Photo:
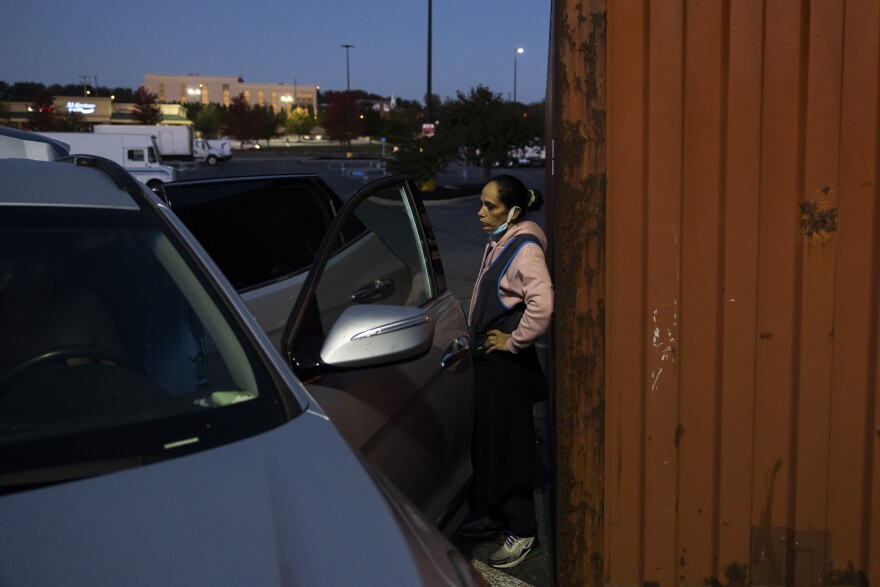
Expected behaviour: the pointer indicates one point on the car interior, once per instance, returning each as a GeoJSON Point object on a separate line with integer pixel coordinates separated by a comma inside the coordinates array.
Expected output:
{"type": "Point", "coordinates": [105, 323]}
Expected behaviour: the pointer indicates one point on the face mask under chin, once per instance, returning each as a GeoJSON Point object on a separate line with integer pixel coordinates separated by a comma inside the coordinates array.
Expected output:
{"type": "Point", "coordinates": [500, 230]}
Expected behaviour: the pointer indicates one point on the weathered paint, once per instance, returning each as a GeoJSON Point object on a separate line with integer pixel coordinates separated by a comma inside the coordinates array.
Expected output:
{"type": "Point", "coordinates": [717, 268]}
{"type": "Point", "coordinates": [579, 145]}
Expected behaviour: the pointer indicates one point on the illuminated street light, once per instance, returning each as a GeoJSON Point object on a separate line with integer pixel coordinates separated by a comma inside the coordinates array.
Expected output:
{"type": "Point", "coordinates": [515, 53]}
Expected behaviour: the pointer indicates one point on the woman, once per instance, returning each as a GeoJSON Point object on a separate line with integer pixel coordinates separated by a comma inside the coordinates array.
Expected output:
{"type": "Point", "coordinates": [511, 308]}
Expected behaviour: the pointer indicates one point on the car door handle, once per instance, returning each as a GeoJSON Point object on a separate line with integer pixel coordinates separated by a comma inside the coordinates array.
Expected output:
{"type": "Point", "coordinates": [373, 293]}
{"type": "Point", "coordinates": [460, 348]}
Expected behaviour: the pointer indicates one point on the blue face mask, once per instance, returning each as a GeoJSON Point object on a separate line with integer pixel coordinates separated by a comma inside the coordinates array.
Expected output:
{"type": "Point", "coordinates": [503, 227]}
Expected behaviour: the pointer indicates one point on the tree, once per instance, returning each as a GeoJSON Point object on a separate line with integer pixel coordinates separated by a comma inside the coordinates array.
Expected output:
{"type": "Point", "coordinates": [122, 94]}
{"type": "Point", "coordinates": [299, 122]}
{"type": "Point", "coordinates": [424, 158]}
{"type": "Point", "coordinates": [239, 120]}
{"type": "Point", "coordinates": [146, 109]}
{"type": "Point", "coordinates": [24, 91]}
{"type": "Point", "coordinates": [534, 119]}
{"type": "Point", "coordinates": [43, 115]}
{"type": "Point", "coordinates": [208, 120]}
{"type": "Point", "coordinates": [71, 122]}
{"type": "Point", "coordinates": [436, 106]}
{"type": "Point", "coordinates": [267, 122]}
{"type": "Point", "coordinates": [4, 115]}
{"type": "Point", "coordinates": [403, 122]}
{"type": "Point", "coordinates": [485, 126]}
{"type": "Point", "coordinates": [372, 121]}
{"type": "Point", "coordinates": [341, 119]}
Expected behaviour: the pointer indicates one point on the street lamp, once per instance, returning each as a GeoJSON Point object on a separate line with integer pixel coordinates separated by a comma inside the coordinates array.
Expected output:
{"type": "Point", "coordinates": [347, 97]}
{"type": "Point", "coordinates": [515, 53]}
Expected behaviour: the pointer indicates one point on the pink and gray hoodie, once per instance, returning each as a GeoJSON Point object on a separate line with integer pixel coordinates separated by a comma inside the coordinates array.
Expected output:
{"type": "Point", "coordinates": [526, 280]}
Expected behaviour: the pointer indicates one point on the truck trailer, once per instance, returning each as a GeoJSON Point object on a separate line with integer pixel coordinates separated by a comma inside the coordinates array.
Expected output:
{"type": "Point", "coordinates": [176, 142]}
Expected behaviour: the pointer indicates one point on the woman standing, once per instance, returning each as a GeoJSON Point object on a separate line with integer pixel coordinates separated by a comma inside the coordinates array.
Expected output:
{"type": "Point", "coordinates": [511, 308]}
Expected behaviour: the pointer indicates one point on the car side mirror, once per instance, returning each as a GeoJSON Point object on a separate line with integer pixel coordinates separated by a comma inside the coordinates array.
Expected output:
{"type": "Point", "coordinates": [376, 334]}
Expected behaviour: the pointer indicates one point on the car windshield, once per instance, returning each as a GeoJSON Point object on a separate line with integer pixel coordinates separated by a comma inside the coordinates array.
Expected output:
{"type": "Point", "coordinates": [113, 349]}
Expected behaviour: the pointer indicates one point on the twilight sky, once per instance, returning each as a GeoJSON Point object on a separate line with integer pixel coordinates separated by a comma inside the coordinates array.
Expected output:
{"type": "Point", "coordinates": [267, 41]}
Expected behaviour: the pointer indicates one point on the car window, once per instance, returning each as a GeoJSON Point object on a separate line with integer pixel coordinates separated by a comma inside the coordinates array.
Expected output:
{"type": "Point", "coordinates": [112, 341]}
{"type": "Point", "coordinates": [258, 231]}
{"type": "Point", "coordinates": [135, 155]}
{"type": "Point", "coordinates": [387, 264]}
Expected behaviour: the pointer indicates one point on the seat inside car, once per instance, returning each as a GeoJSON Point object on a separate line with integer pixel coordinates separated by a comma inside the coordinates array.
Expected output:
{"type": "Point", "coordinates": [155, 322]}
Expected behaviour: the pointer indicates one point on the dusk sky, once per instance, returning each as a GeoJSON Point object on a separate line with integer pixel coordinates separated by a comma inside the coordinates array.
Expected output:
{"type": "Point", "coordinates": [474, 43]}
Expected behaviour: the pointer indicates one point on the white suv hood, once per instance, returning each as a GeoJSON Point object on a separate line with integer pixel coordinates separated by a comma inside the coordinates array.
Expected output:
{"type": "Point", "coordinates": [288, 507]}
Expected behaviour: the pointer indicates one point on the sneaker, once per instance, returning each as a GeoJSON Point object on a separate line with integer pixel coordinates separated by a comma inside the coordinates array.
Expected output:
{"type": "Point", "coordinates": [484, 527]}
{"type": "Point", "coordinates": [515, 550]}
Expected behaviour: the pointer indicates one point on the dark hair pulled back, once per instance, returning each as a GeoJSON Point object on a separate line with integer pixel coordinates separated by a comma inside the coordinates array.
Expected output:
{"type": "Point", "coordinates": [512, 192]}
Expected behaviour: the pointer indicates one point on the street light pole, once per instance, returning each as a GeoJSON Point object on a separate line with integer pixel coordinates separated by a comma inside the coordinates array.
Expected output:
{"type": "Point", "coordinates": [515, 53]}
{"type": "Point", "coordinates": [347, 98]}
{"type": "Point", "coordinates": [428, 116]}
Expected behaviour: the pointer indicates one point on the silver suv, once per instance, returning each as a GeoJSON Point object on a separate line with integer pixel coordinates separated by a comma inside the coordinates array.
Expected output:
{"type": "Point", "coordinates": [149, 432]}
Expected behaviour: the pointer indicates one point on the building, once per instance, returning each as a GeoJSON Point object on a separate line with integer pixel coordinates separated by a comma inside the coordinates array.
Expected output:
{"type": "Point", "coordinates": [91, 110]}
{"type": "Point", "coordinates": [208, 89]}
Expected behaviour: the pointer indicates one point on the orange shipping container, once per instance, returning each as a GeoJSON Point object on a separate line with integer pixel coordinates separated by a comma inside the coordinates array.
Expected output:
{"type": "Point", "coordinates": [716, 224]}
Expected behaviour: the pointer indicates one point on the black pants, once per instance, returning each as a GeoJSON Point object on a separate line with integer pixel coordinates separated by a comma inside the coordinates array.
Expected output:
{"type": "Point", "coordinates": [516, 510]}
{"type": "Point", "coordinates": [503, 451]}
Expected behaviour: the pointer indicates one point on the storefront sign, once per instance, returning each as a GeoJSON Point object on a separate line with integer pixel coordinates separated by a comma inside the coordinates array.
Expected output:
{"type": "Point", "coordinates": [80, 107]}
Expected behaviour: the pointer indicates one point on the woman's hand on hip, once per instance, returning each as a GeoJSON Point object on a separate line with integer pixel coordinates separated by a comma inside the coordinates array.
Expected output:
{"type": "Point", "coordinates": [496, 341]}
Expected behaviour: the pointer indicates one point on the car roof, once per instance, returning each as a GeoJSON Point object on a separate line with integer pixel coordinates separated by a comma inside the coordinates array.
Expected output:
{"type": "Point", "coordinates": [37, 171]}
{"type": "Point", "coordinates": [27, 145]}
{"type": "Point", "coordinates": [54, 183]}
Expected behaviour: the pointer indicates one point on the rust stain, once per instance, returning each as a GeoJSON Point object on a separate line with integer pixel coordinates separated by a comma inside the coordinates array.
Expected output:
{"type": "Point", "coordinates": [679, 432]}
{"type": "Point", "coordinates": [817, 218]}
{"type": "Point", "coordinates": [767, 569]}
{"type": "Point", "coordinates": [579, 267]}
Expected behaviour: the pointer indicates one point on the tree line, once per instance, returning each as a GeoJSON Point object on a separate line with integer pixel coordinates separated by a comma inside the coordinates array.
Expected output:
{"type": "Point", "coordinates": [478, 126]}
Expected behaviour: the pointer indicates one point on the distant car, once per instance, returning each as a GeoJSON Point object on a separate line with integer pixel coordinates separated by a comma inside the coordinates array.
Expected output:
{"type": "Point", "coordinates": [149, 432]}
{"type": "Point", "coordinates": [533, 155]}
{"type": "Point", "coordinates": [301, 262]}
{"type": "Point", "coordinates": [238, 145]}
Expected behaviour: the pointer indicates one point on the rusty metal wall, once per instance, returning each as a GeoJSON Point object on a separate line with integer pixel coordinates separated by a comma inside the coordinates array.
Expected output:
{"type": "Point", "coordinates": [741, 284]}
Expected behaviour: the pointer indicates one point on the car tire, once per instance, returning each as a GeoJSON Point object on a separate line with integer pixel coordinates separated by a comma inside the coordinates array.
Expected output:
{"type": "Point", "coordinates": [211, 160]}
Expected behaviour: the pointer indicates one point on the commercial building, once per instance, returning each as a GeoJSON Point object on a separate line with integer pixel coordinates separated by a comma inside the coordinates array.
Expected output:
{"type": "Point", "coordinates": [208, 89]}
{"type": "Point", "coordinates": [91, 110]}
{"type": "Point", "coordinates": [173, 92]}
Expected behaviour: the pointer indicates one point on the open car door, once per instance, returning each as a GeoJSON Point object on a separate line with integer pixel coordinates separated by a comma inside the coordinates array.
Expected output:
{"type": "Point", "coordinates": [405, 404]}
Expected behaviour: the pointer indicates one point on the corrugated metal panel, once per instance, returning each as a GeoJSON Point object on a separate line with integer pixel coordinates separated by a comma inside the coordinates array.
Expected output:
{"type": "Point", "coordinates": [741, 287]}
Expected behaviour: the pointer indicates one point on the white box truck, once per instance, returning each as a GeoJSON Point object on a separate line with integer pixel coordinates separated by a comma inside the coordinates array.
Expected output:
{"type": "Point", "coordinates": [176, 142]}
{"type": "Point", "coordinates": [137, 153]}
{"type": "Point", "coordinates": [223, 145]}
